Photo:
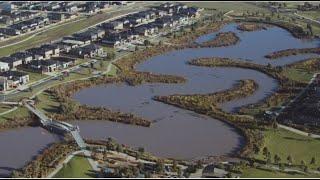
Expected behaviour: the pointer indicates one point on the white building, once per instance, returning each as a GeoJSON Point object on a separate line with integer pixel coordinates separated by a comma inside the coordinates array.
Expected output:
{"type": "Point", "coordinates": [4, 66]}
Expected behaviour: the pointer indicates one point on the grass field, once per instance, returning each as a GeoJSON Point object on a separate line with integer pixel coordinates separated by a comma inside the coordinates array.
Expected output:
{"type": "Point", "coordinates": [228, 6]}
{"type": "Point", "coordinates": [20, 112]}
{"type": "Point", "coordinates": [284, 143]}
{"type": "Point", "coordinates": [77, 167]}
{"type": "Point", "coordinates": [298, 74]}
{"type": "Point", "coordinates": [36, 76]}
{"type": "Point", "coordinates": [311, 14]}
{"type": "Point", "coordinates": [261, 173]}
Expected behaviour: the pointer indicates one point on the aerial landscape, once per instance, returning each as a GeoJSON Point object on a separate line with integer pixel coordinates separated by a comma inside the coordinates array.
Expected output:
{"type": "Point", "coordinates": [159, 89]}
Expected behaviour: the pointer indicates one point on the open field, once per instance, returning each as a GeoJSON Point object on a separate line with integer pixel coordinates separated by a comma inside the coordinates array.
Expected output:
{"type": "Point", "coordinates": [77, 167]}
{"type": "Point", "coordinates": [228, 6]}
{"type": "Point", "coordinates": [20, 112]}
{"type": "Point", "coordinates": [311, 14]}
{"type": "Point", "coordinates": [298, 74]}
{"type": "Point", "coordinates": [285, 143]}
{"type": "Point", "coordinates": [262, 173]}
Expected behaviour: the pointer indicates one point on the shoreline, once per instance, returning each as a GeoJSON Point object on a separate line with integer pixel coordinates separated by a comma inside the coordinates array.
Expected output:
{"type": "Point", "coordinates": [130, 69]}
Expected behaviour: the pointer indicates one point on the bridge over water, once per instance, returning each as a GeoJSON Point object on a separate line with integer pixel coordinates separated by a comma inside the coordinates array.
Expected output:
{"type": "Point", "coordinates": [53, 124]}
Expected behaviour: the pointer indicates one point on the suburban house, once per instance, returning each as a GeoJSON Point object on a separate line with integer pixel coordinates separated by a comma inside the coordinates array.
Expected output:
{"type": "Point", "coordinates": [64, 62]}
{"type": "Point", "coordinates": [90, 50]}
{"type": "Point", "coordinates": [113, 25]}
{"type": "Point", "coordinates": [3, 83]}
{"type": "Point", "coordinates": [43, 66]}
{"type": "Point", "coordinates": [56, 17]}
{"type": "Point", "coordinates": [163, 22]}
{"type": "Point", "coordinates": [51, 47]}
{"type": "Point", "coordinates": [13, 62]}
{"type": "Point", "coordinates": [26, 57]}
{"type": "Point", "coordinates": [44, 52]}
{"type": "Point", "coordinates": [93, 34]}
{"type": "Point", "coordinates": [146, 30]}
{"type": "Point", "coordinates": [4, 66]}
{"type": "Point", "coordinates": [112, 41]}
{"type": "Point", "coordinates": [82, 40]}
{"type": "Point", "coordinates": [15, 78]}
{"type": "Point", "coordinates": [10, 31]}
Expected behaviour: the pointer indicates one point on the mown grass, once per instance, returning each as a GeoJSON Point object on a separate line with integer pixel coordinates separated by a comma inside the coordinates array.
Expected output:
{"type": "Point", "coordinates": [228, 6]}
{"type": "Point", "coordinates": [298, 74]}
{"type": "Point", "coordinates": [264, 173]}
{"type": "Point", "coordinates": [285, 143]}
{"type": "Point", "coordinates": [77, 167]}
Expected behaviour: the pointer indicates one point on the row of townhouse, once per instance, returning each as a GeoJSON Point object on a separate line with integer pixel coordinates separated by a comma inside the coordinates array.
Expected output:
{"type": "Point", "coordinates": [35, 23]}
{"type": "Point", "coordinates": [29, 25]}
{"type": "Point", "coordinates": [12, 79]}
{"type": "Point", "coordinates": [125, 29]}
{"type": "Point", "coordinates": [69, 6]}
{"type": "Point", "coordinates": [17, 16]}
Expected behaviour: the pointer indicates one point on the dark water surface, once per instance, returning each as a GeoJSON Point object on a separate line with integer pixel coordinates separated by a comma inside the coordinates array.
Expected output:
{"type": "Point", "coordinates": [176, 132]}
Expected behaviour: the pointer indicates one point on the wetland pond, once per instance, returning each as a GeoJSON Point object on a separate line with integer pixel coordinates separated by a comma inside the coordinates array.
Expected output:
{"type": "Point", "coordinates": [175, 132]}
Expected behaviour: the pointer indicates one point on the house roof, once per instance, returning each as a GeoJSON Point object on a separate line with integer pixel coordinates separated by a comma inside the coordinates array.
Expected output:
{"type": "Point", "coordinates": [21, 55]}
{"type": "Point", "coordinates": [13, 73]}
{"type": "Point", "coordinates": [8, 59]}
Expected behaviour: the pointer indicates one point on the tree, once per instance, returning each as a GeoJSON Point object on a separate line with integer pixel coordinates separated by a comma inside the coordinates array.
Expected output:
{"type": "Point", "coordinates": [289, 159]}
{"type": "Point", "coordinates": [36, 100]}
{"type": "Point", "coordinates": [159, 166]}
{"type": "Point", "coordinates": [277, 159]}
{"type": "Point", "coordinates": [111, 55]}
{"type": "Point", "coordinates": [309, 27]}
{"type": "Point", "coordinates": [136, 48]}
{"type": "Point", "coordinates": [119, 148]}
{"type": "Point", "coordinates": [175, 165]}
{"type": "Point", "coordinates": [146, 42]}
{"type": "Point", "coordinates": [101, 64]}
{"type": "Point", "coordinates": [274, 123]}
{"type": "Point", "coordinates": [141, 149]}
{"type": "Point", "coordinates": [268, 158]}
{"type": "Point", "coordinates": [313, 160]}
{"type": "Point", "coordinates": [281, 166]}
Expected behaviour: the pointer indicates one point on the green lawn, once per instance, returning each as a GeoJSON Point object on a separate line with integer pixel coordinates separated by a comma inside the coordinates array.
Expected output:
{"type": "Point", "coordinates": [228, 6]}
{"type": "Point", "coordinates": [284, 143]}
{"type": "Point", "coordinates": [262, 173]}
{"type": "Point", "coordinates": [298, 74]}
{"type": "Point", "coordinates": [47, 102]}
{"type": "Point", "coordinates": [36, 76]}
{"type": "Point", "coordinates": [311, 14]}
{"type": "Point", "coordinates": [20, 112]}
{"type": "Point", "coordinates": [77, 167]}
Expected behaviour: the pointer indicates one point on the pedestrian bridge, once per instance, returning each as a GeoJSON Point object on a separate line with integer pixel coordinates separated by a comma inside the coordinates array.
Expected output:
{"type": "Point", "coordinates": [53, 124]}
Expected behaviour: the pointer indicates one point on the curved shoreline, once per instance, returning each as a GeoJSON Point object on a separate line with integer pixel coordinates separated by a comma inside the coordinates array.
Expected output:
{"type": "Point", "coordinates": [166, 49]}
{"type": "Point", "coordinates": [292, 52]}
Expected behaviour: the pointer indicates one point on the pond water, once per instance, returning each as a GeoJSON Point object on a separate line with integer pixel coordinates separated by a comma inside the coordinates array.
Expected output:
{"type": "Point", "coordinates": [175, 132]}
